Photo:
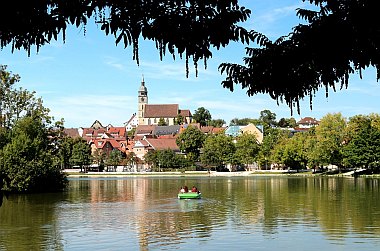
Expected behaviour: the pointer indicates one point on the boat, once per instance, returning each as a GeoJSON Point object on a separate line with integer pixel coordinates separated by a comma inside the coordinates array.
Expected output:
{"type": "Point", "coordinates": [189, 195]}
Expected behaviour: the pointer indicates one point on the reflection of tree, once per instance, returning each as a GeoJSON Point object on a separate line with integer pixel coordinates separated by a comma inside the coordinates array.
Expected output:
{"type": "Point", "coordinates": [148, 206]}
{"type": "Point", "coordinates": [30, 214]}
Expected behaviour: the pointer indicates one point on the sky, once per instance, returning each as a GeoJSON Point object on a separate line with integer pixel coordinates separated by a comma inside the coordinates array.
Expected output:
{"type": "Point", "coordinates": [89, 78]}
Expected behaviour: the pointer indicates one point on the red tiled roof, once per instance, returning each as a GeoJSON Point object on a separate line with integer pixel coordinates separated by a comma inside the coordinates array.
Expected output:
{"type": "Point", "coordinates": [161, 111]}
{"type": "Point", "coordinates": [162, 144]}
{"type": "Point", "coordinates": [308, 121]}
{"type": "Point", "coordinates": [100, 143]}
{"type": "Point", "coordinates": [120, 131]}
{"type": "Point", "coordinates": [71, 132]}
{"type": "Point", "coordinates": [143, 142]}
{"type": "Point", "coordinates": [185, 113]}
{"type": "Point", "coordinates": [144, 129]}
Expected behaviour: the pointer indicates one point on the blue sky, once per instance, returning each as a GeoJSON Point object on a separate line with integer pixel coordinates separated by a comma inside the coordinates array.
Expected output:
{"type": "Point", "coordinates": [88, 78]}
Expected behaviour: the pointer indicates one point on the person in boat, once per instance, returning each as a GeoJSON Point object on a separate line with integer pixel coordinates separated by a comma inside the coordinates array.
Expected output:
{"type": "Point", "coordinates": [186, 189]}
{"type": "Point", "coordinates": [194, 190]}
{"type": "Point", "coordinates": [182, 190]}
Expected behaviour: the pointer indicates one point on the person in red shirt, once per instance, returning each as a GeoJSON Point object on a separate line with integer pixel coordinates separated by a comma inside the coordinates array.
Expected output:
{"type": "Point", "coordinates": [194, 189]}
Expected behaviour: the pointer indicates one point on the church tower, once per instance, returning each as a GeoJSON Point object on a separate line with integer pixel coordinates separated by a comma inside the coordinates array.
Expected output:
{"type": "Point", "coordinates": [142, 101]}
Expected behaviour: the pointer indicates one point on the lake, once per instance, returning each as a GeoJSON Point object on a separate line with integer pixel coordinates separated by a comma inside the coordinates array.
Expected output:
{"type": "Point", "coordinates": [247, 213]}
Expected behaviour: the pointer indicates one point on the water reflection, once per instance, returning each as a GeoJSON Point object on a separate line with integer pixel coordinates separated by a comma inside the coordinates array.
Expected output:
{"type": "Point", "coordinates": [238, 212]}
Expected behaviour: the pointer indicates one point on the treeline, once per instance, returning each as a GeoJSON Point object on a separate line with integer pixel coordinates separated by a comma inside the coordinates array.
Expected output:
{"type": "Point", "coordinates": [344, 143]}
{"type": "Point", "coordinates": [338, 141]}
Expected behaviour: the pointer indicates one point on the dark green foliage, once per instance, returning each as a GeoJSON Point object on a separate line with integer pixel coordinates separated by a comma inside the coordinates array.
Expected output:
{"type": "Point", "coordinates": [247, 148]}
{"type": "Point", "coordinates": [243, 121]}
{"type": "Point", "coordinates": [81, 154]}
{"type": "Point", "coordinates": [114, 158]}
{"type": "Point", "coordinates": [287, 123]}
{"type": "Point", "coordinates": [188, 28]}
{"type": "Point", "coordinates": [362, 148]}
{"type": "Point", "coordinates": [191, 141]}
{"type": "Point", "coordinates": [217, 122]}
{"type": "Point", "coordinates": [339, 38]}
{"type": "Point", "coordinates": [165, 159]}
{"type": "Point", "coordinates": [202, 116]}
{"type": "Point", "coordinates": [162, 122]}
{"type": "Point", "coordinates": [179, 120]}
{"type": "Point", "coordinates": [27, 162]}
{"type": "Point", "coordinates": [218, 150]}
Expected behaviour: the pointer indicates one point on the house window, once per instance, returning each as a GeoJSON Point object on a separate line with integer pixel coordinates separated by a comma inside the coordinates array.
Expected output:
{"type": "Point", "coordinates": [155, 120]}
{"type": "Point", "coordinates": [149, 122]}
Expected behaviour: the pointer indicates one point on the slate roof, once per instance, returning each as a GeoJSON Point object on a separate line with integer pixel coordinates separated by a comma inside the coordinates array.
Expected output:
{"type": "Point", "coordinates": [161, 111]}
{"type": "Point", "coordinates": [166, 130]}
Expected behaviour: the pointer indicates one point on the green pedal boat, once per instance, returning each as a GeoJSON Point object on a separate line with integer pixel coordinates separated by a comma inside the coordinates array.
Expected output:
{"type": "Point", "coordinates": [189, 195]}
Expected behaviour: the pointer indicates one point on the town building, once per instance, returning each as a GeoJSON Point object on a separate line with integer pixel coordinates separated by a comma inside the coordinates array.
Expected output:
{"type": "Point", "coordinates": [307, 122]}
{"type": "Point", "coordinates": [152, 114]}
{"type": "Point", "coordinates": [235, 131]}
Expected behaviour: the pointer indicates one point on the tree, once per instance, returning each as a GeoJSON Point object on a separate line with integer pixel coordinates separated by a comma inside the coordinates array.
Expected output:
{"type": "Point", "coordinates": [168, 159]}
{"type": "Point", "coordinates": [295, 152]}
{"type": "Point", "coordinates": [338, 38]}
{"type": "Point", "coordinates": [99, 158]}
{"type": "Point", "coordinates": [162, 122]}
{"type": "Point", "coordinates": [16, 103]}
{"type": "Point", "coordinates": [202, 116]}
{"type": "Point", "coordinates": [217, 122]}
{"type": "Point", "coordinates": [151, 158]}
{"type": "Point", "coordinates": [184, 27]}
{"type": "Point", "coordinates": [179, 119]}
{"type": "Point", "coordinates": [268, 118]}
{"type": "Point", "coordinates": [271, 138]}
{"type": "Point", "coordinates": [131, 159]}
{"type": "Point", "coordinates": [241, 122]}
{"type": "Point", "coordinates": [81, 154]}
{"type": "Point", "coordinates": [131, 133]}
{"type": "Point", "coordinates": [29, 141]}
{"type": "Point", "coordinates": [247, 148]}
{"type": "Point", "coordinates": [363, 143]}
{"type": "Point", "coordinates": [27, 162]}
{"type": "Point", "coordinates": [64, 152]}
{"type": "Point", "coordinates": [7, 80]}
{"type": "Point", "coordinates": [114, 159]}
{"type": "Point", "coordinates": [330, 137]}
{"type": "Point", "coordinates": [287, 123]}
{"type": "Point", "coordinates": [218, 150]}
{"type": "Point", "coordinates": [191, 141]}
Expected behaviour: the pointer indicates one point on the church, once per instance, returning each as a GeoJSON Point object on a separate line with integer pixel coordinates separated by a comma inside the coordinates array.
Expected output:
{"type": "Point", "coordinates": [151, 114]}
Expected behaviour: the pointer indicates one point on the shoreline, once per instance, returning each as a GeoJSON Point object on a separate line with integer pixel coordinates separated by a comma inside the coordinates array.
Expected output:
{"type": "Point", "coordinates": [76, 174]}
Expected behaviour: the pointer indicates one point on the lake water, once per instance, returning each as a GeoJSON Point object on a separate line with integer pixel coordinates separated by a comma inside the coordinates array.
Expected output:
{"type": "Point", "coordinates": [247, 213]}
